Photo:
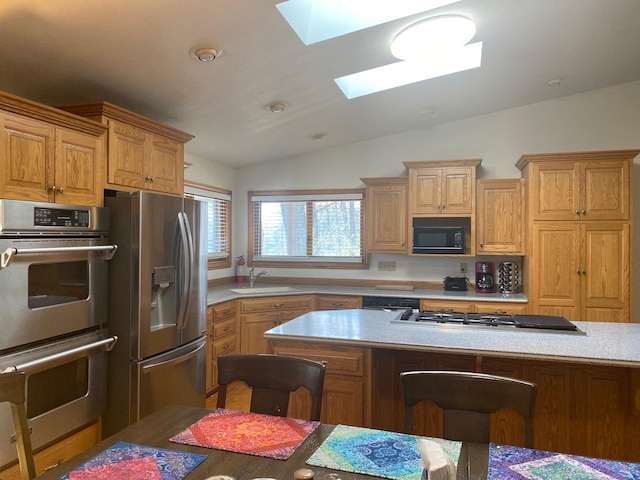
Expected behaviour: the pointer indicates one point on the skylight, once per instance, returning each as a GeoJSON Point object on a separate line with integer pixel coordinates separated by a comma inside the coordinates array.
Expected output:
{"type": "Point", "coordinates": [428, 49]}
{"type": "Point", "coordinates": [318, 20]}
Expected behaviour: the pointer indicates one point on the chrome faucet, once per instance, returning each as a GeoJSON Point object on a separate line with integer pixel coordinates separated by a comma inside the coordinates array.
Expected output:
{"type": "Point", "coordinates": [252, 277]}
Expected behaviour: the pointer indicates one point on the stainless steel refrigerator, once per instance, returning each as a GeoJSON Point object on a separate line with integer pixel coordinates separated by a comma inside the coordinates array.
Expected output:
{"type": "Point", "coordinates": [157, 305]}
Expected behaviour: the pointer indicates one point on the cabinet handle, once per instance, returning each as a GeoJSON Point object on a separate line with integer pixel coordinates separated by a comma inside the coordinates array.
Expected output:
{"type": "Point", "coordinates": [52, 188]}
{"type": "Point", "coordinates": [60, 190]}
{"type": "Point", "coordinates": [584, 212]}
{"type": "Point", "coordinates": [277, 305]}
{"type": "Point", "coordinates": [481, 244]}
{"type": "Point", "coordinates": [226, 329]}
{"type": "Point", "coordinates": [578, 212]}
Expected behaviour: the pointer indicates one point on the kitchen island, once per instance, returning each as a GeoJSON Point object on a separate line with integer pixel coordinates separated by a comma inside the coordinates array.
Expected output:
{"type": "Point", "coordinates": [589, 382]}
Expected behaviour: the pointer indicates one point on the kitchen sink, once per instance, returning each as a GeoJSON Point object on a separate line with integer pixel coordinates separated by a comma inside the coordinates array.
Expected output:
{"type": "Point", "coordinates": [257, 290]}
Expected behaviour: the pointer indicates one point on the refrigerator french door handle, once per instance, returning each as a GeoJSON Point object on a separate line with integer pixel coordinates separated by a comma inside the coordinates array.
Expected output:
{"type": "Point", "coordinates": [187, 252]}
{"type": "Point", "coordinates": [181, 355]}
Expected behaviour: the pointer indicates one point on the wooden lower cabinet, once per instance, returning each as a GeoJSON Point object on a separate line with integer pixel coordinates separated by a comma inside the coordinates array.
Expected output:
{"type": "Point", "coordinates": [588, 410]}
{"type": "Point", "coordinates": [221, 338]}
{"type": "Point", "coordinates": [504, 308]}
{"type": "Point", "coordinates": [257, 315]}
{"type": "Point", "coordinates": [337, 302]}
{"type": "Point", "coordinates": [60, 451]}
{"type": "Point", "coordinates": [346, 399]}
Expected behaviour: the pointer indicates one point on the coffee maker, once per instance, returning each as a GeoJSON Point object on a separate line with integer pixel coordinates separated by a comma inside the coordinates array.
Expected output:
{"type": "Point", "coordinates": [485, 277]}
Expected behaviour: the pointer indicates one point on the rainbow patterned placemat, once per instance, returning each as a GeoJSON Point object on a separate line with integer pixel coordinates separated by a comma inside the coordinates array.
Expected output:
{"type": "Point", "coordinates": [245, 432]}
{"type": "Point", "coordinates": [515, 463]}
{"type": "Point", "coordinates": [376, 452]}
{"type": "Point", "coordinates": [130, 461]}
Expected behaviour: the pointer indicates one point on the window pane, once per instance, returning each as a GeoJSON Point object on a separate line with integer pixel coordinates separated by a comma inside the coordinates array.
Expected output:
{"type": "Point", "coordinates": [320, 228]}
{"type": "Point", "coordinates": [336, 228]}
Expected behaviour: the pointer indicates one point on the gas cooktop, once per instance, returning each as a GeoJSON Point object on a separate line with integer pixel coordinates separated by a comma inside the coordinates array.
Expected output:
{"type": "Point", "coordinates": [489, 320]}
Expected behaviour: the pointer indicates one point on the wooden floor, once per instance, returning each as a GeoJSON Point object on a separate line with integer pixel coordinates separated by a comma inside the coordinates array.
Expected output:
{"type": "Point", "coordinates": [238, 397]}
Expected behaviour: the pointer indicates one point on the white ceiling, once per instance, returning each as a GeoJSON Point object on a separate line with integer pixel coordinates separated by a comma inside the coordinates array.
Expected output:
{"type": "Point", "coordinates": [138, 54]}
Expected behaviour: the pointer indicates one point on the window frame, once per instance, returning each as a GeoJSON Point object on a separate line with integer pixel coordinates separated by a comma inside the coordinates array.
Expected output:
{"type": "Point", "coordinates": [192, 189]}
{"type": "Point", "coordinates": [301, 194]}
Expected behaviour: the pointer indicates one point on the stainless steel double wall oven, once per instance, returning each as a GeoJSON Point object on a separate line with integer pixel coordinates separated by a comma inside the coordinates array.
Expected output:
{"type": "Point", "coordinates": [53, 316]}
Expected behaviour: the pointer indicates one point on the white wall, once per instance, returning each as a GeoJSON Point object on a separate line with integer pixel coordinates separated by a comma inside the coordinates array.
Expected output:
{"type": "Point", "coordinates": [603, 119]}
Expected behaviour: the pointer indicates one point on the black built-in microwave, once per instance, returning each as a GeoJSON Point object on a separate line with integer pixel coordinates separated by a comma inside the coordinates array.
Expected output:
{"type": "Point", "coordinates": [438, 240]}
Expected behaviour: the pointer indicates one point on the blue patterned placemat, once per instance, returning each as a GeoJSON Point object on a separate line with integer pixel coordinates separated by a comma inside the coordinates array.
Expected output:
{"type": "Point", "coordinates": [376, 452]}
{"type": "Point", "coordinates": [128, 460]}
{"type": "Point", "coordinates": [515, 463]}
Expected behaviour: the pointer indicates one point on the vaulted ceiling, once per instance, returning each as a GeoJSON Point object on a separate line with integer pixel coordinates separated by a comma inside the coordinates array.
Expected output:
{"type": "Point", "coordinates": [138, 54]}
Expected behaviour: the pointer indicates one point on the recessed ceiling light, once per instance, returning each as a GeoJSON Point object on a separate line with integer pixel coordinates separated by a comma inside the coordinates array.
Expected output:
{"type": "Point", "coordinates": [277, 107]}
{"type": "Point", "coordinates": [554, 82]}
{"type": "Point", "coordinates": [428, 111]}
{"type": "Point", "coordinates": [207, 54]}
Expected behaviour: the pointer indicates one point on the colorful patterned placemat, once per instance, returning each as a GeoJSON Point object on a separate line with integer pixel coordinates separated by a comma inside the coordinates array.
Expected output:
{"type": "Point", "coordinates": [515, 463]}
{"type": "Point", "coordinates": [245, 432]}
{"type": "Point", "coordinates": [376, 452]}
{"type": "Point", "coordinates": [130, 461]}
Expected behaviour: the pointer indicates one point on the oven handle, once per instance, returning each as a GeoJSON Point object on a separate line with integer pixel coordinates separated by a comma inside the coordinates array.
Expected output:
{"type": "Point", "coordinates": [108, 252]}
{"type": "Point", "coordinates": [109, 342]}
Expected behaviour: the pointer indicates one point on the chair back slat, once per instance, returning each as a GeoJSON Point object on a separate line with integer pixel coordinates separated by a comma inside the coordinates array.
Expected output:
{"type": "Point", "coordinates": [467, 400]}
{"type": "Point", "coordinates": [272, 378]}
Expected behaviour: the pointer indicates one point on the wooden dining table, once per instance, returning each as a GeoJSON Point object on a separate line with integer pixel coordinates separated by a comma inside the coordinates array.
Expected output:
{"type": "Point", "coordinates": [156, 429]}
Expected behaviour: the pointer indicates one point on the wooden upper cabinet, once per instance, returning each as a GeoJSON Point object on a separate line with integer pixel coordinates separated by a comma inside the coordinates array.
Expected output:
{"type": "Point", "coordinates": [579, 186]}
{"type": "Point", "coordinates": [49, 155]}
{"type": "Point", "coordinates": [581, 270]}
{"type": "Point", "coordinates": [500, 217]}
{"type": "Point", "coordinates": [142, 153]}
{"type": "Point", "coordinates": [442, 187]}
{"type": "Point", "coordinates": [386, 214]}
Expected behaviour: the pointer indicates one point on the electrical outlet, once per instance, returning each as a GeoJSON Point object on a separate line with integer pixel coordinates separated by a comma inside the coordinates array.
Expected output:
{"type": "Point", "coordinates": [386, 266]}
{"type": "Point", "coordinates": [463, 267]}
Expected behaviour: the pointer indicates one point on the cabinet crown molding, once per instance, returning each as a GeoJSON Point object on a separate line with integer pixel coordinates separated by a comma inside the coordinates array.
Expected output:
{"type": "Point", "coordinates": [470, 162]}
{"type": "Point", "coordinates": [576, 156]}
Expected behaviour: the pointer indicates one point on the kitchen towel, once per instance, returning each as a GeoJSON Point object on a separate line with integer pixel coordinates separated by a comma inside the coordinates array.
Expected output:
{"type": "Point", "coordinates": [128, 461]}
{"type": "Point", "coordinates": [246, 432]}
{"type": "Point", "coordinates": [515, 463]}
{"type": "Point", "coordinates": [376, 452]}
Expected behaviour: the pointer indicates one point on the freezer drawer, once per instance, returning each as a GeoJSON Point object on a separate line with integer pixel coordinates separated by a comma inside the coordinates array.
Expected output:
{"type": "Point", "coordinates": [176, 377]}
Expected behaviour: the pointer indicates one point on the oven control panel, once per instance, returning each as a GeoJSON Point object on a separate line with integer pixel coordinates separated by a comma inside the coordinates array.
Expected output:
{"type": "Point", "coordinates": [59, 217]}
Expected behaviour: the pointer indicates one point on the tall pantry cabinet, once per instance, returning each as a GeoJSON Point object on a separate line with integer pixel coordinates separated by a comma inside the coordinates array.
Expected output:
{"type": "Point", "coordinates": [579, 239]}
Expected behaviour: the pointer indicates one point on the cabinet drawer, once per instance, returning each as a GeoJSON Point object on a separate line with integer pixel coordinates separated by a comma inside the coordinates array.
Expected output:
{"type": "Point", "coordinates": [277, 303]}
{"type": "Point", "coordinates": [223, 311]}
{"type": "Point", "coordinates": [339, 360]}
{"type": "Point", "coordinates": [225, 346]}
{"type": "Point", "coordinates": [337, 302]}
{"type": "Point", "coordinates": [222, 329]}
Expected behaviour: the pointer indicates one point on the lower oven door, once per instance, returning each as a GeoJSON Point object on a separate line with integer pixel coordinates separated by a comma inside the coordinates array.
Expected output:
{"type": "Point", "coordinates": [51, 287]}
{"type": "Point", "coordinates": [66, 388]}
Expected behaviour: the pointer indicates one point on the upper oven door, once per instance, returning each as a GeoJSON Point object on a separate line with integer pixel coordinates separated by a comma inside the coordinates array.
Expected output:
{"type": "Point", "coordinates": [51, 287]}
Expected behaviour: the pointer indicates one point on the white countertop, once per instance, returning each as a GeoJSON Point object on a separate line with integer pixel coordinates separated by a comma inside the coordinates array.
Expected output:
{"type": "Point", "coordinates": [604, 343]}
{"type": "Point", "coordinates": [223, 293]}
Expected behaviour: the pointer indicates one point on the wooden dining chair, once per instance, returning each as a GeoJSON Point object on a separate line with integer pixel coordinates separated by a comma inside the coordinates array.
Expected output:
{"type": "Point", "coordinates": [467, 400]}
{"type": "Point", "coordinates": [272, 378]}
{"type": "Point", "coordinates": [12, 390]}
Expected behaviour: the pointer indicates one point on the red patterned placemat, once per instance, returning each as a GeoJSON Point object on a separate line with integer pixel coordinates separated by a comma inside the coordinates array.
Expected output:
{"type": "Point", "coordinates": [245, 432]}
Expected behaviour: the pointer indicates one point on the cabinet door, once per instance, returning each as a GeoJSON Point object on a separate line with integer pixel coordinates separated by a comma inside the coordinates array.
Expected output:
{"type": "Point", "coordinates": [252, 339]}
{"type": "Point", "coordinates": [424, 188]}
{"type": "Point", "coordinates": [386, 218]}
{"type": "Point", "coordinates": [126, 155]}
{"type": "Point", "coordinates": [554, 191]}
{"type": "Point", "coordinates": [78, 168]}
{"type": "Point", "coordinates": [605, 190]}
{"type": "Point", "coordinates": [457, 187]}
{"type": "Point", "coordinates": [605, 272]}
{"type": "Point", "coordinates": [164, 169]}
{"type": "Point", "coordinates": [27, 148]}
{"type": "Point", "coordinates": [555, 267]}
{"type": "Point", "coordinates": [500, 217]}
